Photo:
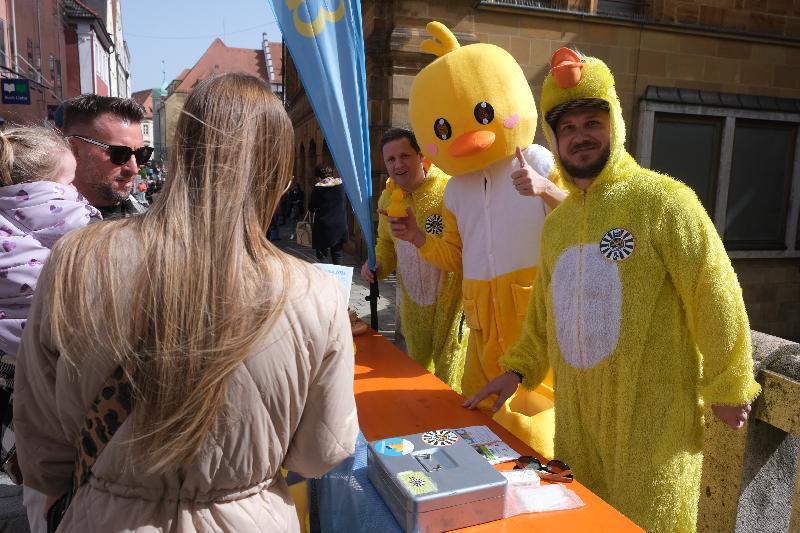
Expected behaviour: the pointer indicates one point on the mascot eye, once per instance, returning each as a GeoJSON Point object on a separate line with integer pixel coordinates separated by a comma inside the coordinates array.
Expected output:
{"type": "Point", "coordinates": [442, 129]}
{"type": "Point", "coordinates": [484, 113]}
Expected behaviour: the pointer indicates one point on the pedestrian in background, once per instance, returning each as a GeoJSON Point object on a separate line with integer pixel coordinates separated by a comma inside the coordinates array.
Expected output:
{"type": "Point", "coordinates": [238, 359]}
{"type": "Point", "coordinates": [329, 231]}
{"type": "Point", "coordinates": [295, 200]}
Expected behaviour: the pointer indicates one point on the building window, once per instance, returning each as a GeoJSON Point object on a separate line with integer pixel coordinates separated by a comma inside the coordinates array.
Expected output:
{"type": "Point", "coordinates": [145, 129]}
{"type": "Point", "coordinates": [101, 63]}
{"type": "Point", "coordinates": [623, 8]}
{"type": "Point", "coordinates": [760, 182]}
{"type": "Point", "coordinates": [697, 139]}
{"type": "Point", "coordinates": [742, 162]}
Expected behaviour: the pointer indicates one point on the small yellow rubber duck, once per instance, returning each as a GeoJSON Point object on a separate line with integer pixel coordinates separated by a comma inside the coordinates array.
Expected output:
{"type": "Point", "coordinates": [396, 207]}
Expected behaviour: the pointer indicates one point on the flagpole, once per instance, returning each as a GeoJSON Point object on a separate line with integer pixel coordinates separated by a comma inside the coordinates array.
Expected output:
{"type": "Point", "coordinates": [374, 293]}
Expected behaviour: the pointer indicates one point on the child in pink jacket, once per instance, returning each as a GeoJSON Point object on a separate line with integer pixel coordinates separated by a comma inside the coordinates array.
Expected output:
{"type": "Point", "coordinates": [37, 206]}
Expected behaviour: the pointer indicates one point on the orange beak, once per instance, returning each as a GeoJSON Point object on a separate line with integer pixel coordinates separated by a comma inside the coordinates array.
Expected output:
{"type": "Point", "coordinates": [566, 67]}
{"type": "Point", "coordinates": [471, 143]}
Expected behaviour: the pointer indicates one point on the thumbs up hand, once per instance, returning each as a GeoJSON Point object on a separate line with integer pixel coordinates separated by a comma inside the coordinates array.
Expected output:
{"type": "Point", "coordinates": [527, 181]}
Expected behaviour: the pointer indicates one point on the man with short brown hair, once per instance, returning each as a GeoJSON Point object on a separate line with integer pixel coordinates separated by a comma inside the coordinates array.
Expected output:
{"type": "Point", "coordinates": [106, 138]}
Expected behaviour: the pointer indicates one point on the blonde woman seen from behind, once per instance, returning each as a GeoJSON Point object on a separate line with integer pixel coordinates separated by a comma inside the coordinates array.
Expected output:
{"type": "Point", "coordinates": [240, 357]}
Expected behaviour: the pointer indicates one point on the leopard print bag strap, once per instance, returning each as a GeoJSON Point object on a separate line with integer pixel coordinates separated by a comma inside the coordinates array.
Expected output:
{"type": "Point", "coordinates": [109, 410]}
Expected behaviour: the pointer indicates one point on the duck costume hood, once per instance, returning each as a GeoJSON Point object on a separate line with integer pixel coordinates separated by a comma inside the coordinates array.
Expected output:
{"type": "Point", "coordinates": [580, 81]}
{"type": "Point", "coordinates": [467, 121]}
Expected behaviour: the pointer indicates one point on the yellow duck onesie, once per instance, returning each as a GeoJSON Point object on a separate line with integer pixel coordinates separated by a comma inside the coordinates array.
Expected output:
{"type": "Point", "coordinates": [435, 333]}
{"type": "Point", "coordinates": [471, 108]}
{"type": "Point", "coordinates": [639, 313]}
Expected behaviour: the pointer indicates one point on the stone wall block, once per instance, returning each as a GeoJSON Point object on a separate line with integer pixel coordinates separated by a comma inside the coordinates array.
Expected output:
{"type": "Point", "coordinates": [712, 16]}
{"type": "Point", "coordinates": [685, 67]}
{"type": "Point", "coordinates": [721, 70]}
{"type": "Point", "coordinates": [756, 5]}
{"type": "Point", "coordinates": [757, 74]}
{"type": "Point", "coordinates": [793, 56]}
{"type": "Point", "coordinates": [413, 8]}
{"type": "Point", "coordinates": [696, 44]}
{"type": "Point", "coordinates": [763, 23]}
{"type": "Point", "coordinates": [792, 26]}
{"type": "Point", "coordinates": [787, 77]}
{"type": "Point", "coordinates": [768, 54]}
{"type": "Point", "coordinates": [540, 52]}
{"type": "Point", "coordinates": [499, 23]}
{"type": "Point", "coordinates": [736, 19]}
{"type": "Point", "coordinates": [542, 29]}
{"type": "Point", "coordinates": [520, 48]}
{"type": "Point", "coordinates": [653, 63]}
{"type": "Point", "coordinates": [501, 40]}
{"type": "Point", "coordinates": [656, 40]}
{"type": "Point", "coordinates": [687, 13]}
{"type": "Point", "coordinates": [780, 7]}
{"type": "Point", "coordinates": [734, 50]}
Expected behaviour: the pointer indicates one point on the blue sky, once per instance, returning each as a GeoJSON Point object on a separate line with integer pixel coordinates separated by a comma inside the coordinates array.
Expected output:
{"type": "Point", "coordinates": [179, 31]}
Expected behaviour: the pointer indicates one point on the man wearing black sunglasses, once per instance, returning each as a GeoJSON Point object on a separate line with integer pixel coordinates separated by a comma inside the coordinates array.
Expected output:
{"type": "Point", "coordinates": [106, 139]}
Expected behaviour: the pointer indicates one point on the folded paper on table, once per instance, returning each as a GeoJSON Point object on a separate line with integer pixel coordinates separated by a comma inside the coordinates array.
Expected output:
{"type": "Point", "coordinates": [343, 274]}
{"type": "Point", "coordinates": [487, 443]}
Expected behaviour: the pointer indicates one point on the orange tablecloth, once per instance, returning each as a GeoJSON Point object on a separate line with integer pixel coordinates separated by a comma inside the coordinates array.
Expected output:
{"type": "Point", "coordinates": [395, 396]}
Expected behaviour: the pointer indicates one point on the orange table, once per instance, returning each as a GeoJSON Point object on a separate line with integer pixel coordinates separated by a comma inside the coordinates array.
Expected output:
{"type": "Point", "coordinates": [395, 396]}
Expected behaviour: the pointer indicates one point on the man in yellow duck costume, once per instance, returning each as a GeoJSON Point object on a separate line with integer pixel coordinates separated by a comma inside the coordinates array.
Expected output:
{"type": "Point", "coordinates": [474, 114]}
{"type": "Point", "coordinates": [430, 306]}
{"type": "Point", "coordinates": [637, 310]}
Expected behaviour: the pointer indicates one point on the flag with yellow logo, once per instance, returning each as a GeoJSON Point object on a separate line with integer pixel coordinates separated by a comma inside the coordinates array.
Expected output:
{"type": "Point", "coordinates": [326, 44]}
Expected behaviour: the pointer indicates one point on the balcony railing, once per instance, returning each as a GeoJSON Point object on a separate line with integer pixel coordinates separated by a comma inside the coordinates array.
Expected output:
{"type": "Point", "coordinates": [749, 478]}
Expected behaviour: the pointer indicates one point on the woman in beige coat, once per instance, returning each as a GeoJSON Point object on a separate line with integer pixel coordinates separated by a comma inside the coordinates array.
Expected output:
{"type": "Point", "coordinates": [240, 357]}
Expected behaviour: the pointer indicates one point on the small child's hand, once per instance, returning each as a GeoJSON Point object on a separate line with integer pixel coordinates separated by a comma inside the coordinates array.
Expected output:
{"type": "Point", "coordinates": [733, 415]}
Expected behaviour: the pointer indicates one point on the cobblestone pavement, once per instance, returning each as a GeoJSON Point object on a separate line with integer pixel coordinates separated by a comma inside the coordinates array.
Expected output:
{"type": "Point", "coordinates": [12, 513]}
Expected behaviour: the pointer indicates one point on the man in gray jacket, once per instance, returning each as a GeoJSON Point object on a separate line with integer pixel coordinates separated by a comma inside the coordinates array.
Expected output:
{"type": "Point", "coordinates": [106, 138]}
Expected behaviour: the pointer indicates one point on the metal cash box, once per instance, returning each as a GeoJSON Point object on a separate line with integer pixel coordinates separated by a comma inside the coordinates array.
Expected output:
{"type": "Point", "coordinates": [435, 481]}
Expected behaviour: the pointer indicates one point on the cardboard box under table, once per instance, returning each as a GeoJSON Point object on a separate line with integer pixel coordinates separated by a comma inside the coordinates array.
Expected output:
{"type": "Point", "coordinates": [435, 481]}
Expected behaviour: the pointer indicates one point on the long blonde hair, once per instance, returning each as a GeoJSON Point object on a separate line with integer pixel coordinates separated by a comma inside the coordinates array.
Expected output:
{"type": "Point", "coordinates": [29, 153]}
{"type": "Point", "coordinates": [209, 283]}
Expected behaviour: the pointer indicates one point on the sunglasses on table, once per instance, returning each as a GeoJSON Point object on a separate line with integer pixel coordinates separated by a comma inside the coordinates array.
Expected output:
{"type": "Point", "coordinates": [554, 470]}
{"type": "Point", "coordinates": [120, 155]}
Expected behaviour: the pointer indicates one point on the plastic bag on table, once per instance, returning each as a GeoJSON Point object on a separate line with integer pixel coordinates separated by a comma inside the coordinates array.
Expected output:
{"type": "Point", "coordinates": [347, 501]}
{"type": "Point", "coordinates": [527, 494]}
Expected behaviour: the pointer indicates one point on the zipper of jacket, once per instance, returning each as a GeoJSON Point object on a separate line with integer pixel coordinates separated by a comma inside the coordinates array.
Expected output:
{"type": "Point", "coordinates": [580, 307]}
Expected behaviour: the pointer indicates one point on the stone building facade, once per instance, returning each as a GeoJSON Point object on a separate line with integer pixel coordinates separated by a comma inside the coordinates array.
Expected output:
{"type": "Point", "coordinates": [710, 92]}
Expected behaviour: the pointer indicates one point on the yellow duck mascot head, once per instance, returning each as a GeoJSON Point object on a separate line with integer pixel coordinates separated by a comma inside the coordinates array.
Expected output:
{"type": "Point", "coordinates": [471, 108]}
{"type": "Point", "coordinates": [466, 122]}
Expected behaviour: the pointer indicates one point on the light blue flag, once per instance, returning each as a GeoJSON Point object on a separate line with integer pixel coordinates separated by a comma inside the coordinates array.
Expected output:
{"type": "Point", "coordinates": [326, 43]}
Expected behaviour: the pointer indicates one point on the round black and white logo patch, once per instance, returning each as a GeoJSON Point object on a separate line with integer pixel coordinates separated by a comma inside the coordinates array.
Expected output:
{"type": "Point", "coordinates": [439, 437]}
{"type": "Point", "coordinates": [434, 224]}
{"type": "Point", "coordinates": [617, 245]}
